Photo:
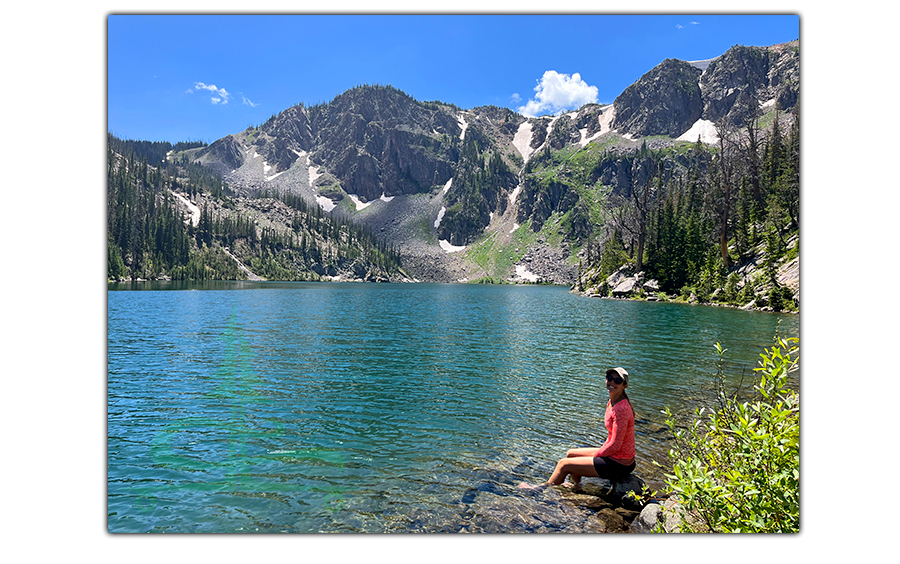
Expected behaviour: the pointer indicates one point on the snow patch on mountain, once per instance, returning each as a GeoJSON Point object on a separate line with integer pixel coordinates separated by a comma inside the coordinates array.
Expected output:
{"type": "Point", "coordinates": [463, 125]}
{"type": "Point", "coordinates": [445, 244]}
{"type": "Point", "coordinates": [702, 65]}
{"type": "Point", "coordinates": [702, 128]}
{"type": "Point", "coordinates": [327, 204]}
{"type": "Point", "coordinates": [313, 175]}
{"type": "Point", "coordinates": [522, 140]}
{"type": "Point", "coordinates": [192, 208]}
{"type": "Point", "coordinates": [359, 203]}
{"type": "Point", "coordinates": [515, 194]}
{"type": "Point", "coordinates": [605, 119]}
{"type": "Point", "coordinates": [523, 273]}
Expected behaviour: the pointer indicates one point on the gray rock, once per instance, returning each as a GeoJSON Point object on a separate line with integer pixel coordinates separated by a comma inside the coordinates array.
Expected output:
{"type": "Point", "coordinates": [666, 100]}
{"type": "Point", "coordinates": [223, 155]}
{"type": "Point", "coordinates": [621, 490]}
{"type": "Point", "coordinates": [616, 278]}
{"type": "Point", "coordinates": [743, 72]}
{"type": "Point", "coordinates": [789, 275]}
{"type": "Point", "coordinates": [625, 287]}
{"type": "Point", "coordinates": [670, 514]}
{"type": "Point", "coordinates": [648, 519]}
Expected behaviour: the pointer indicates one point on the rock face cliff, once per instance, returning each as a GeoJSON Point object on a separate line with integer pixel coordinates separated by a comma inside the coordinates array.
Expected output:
{"type": "Point", "coordinates": [745, 75]}
{"type": "Point", "coordinates": [376, 141]}
{"type": "Point", "coordinates": [671, 97]}
{"type": "Point", "coordinates": [290, 133]}
{"type": "Point", "coordinates": [223, 156]}
{"type": "Point", "coordinates": [665, 101]}
{"type": "Point", "coordinates": [379, 141]}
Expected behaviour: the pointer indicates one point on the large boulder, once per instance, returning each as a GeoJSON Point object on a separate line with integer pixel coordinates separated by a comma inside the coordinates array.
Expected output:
{"type": "Point", "coordinates": [789, 275]}
{"type": "Point", "coordinates": [625, 287]}
{"type": "Point", "coordinates": [648, 519]}
{"type": "Point", "coordinates": [670, 515]}
{"type": "Point", "coordinates": [624, 282]}
{"type": "Point", "coordinates": [651, 286]}
{"type": "Point", "coordinates": [611, 501]}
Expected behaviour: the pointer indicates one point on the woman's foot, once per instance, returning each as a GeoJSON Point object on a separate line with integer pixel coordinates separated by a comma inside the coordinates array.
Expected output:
{"type": "Point", "coordinates": [525, 486]}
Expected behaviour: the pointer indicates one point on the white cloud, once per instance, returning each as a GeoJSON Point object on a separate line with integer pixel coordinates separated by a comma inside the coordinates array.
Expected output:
{"type": "Point", "coordinates": [221, 97]}
{"type": "Point", "coordinates": [515, 98]}
{"type": "Point", "coordinates": [247, 102]}
{"type": "Point", "coordinates": [558, 92]}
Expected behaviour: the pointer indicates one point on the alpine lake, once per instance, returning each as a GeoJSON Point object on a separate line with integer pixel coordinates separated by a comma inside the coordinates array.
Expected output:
{"type": "Point", "coordinates": [263, 407]}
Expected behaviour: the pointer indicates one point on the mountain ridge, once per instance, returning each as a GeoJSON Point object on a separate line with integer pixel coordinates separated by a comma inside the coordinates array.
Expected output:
{"type": "Point", "coordinates": [442, 183]}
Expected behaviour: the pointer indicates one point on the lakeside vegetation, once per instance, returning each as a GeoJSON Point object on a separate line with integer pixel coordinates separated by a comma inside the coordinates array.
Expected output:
{"type": "Point", "coordinates": [736, 468]}
{"type": "Point", "coordinates": [690, 216]}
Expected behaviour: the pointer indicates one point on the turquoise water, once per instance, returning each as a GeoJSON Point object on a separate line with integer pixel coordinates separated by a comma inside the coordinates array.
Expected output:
{"type": "Point", "coordinates": [307, 407]}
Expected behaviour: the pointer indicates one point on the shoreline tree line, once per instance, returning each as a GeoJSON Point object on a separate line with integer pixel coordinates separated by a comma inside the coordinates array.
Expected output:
{"type": "Point", "coordinates": [148, 237]}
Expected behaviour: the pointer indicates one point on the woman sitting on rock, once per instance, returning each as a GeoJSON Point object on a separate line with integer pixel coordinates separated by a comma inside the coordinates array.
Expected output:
{"type": "Point", "coordinates": [615, 459]}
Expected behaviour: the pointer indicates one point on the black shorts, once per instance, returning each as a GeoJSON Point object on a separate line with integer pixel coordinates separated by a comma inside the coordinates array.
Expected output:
{"type": "Point", "coordinates": [610, 469]}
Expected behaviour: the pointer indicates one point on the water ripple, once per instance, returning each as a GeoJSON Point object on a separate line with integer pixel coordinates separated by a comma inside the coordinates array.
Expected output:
{"type": "Point", "coordinates": [361, 408]}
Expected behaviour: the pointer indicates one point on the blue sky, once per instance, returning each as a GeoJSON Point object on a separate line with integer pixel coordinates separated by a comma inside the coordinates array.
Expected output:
{"type": "Point", "coordinates": [201, 77]}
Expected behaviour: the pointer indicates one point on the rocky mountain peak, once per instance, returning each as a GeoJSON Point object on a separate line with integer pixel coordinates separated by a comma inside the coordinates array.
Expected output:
{"type": "Point", "coordinates": [665, 101]}
{"type": "Point", "coordinates": [284, 136]}
{"type": "Point", "coordinates": [379, 141]}
{"type": "Point", "coordinates": [745, 75]}
{"type": "Point", "coordinates": [223, 155]}
{"type": "Point", "coordinates": [672, 96]}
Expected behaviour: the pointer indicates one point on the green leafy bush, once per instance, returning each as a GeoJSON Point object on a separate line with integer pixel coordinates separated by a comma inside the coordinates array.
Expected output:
{"type": "Point", "coordinates": [737, 469]}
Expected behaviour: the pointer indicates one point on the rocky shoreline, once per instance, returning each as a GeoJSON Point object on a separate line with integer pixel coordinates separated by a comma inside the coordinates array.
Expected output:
{"type": "Point", "coordinates": [694, 301]}
{"type": "Point", "coordinates": [622, 507]}
{"type": "Point", "coordinates": [625, 283]}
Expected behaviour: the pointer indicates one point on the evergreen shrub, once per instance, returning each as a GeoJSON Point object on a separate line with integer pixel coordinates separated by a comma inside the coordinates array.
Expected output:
{"type": "Point", "coordinates": [781, 298]}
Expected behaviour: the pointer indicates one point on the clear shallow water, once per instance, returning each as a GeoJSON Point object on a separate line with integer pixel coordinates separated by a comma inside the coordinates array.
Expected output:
{"type": "Point", "coordinates": [303, 407]}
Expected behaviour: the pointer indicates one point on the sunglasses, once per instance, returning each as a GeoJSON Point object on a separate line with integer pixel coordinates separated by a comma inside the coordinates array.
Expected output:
{"type": "Point", "coordinates": [617, 379]}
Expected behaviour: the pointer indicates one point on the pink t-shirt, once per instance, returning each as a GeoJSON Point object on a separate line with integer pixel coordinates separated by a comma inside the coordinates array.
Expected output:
{"type": "Point", "coordinates": [619, 421]}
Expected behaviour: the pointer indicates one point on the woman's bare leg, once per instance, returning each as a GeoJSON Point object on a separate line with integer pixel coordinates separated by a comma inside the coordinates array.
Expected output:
{"type": "Point", "coordinates": [576, 452]}
{"type": "Point", "coordinates": [576, 467]}
{"type": "Point", "coordinates": [575, 479]}
{"type": "Point", "coordinates": [577, 463]}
